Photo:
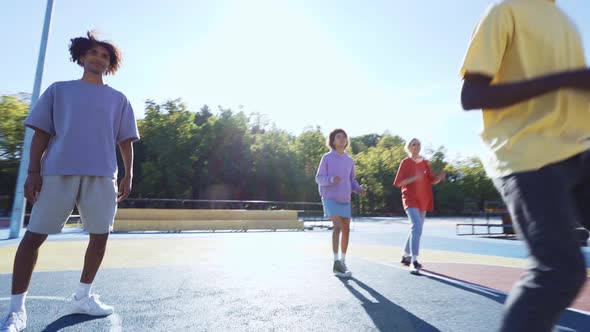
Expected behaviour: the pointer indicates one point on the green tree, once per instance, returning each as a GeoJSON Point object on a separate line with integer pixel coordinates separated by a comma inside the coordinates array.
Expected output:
{"type": "Point", "coordinates": [165, 151]}
{"type": "Point", "coordinates": [229, 161]}
{"type": "Point", "coordinates": [309, 147]}
{"type": "Point", "coordinates": [275, 175]}
{"type": "Point", "coordinates": [476, 186]}
{"type": "Point", "coordinates": [229, 155]}
{"type": "Point", "coordinates": [443, 196]}
{"type": "Point", "coordinates": [376, 169]}
{"type": "Point", "coordinates": [203, 115]}
{"type": "Point", "coordinates": [13, 110]}
{"type": "Point", "coordinates": [360, 144]}
{"type": "Point", "coordinates": [450, 197]}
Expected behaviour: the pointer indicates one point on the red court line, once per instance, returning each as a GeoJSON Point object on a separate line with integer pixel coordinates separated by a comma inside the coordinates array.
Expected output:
{"type": "Point", "coordinates": [500, 278]}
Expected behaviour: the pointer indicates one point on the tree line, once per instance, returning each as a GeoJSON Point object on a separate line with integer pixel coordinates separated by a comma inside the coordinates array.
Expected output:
{"type": "Point", "coordinates": [226, 154]}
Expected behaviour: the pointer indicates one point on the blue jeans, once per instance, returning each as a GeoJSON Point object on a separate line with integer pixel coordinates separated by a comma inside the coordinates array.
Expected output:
{"type": "Point", "coordinates": [413, 242]}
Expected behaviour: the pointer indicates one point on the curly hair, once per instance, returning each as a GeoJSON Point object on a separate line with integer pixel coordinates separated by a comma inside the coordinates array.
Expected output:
{"type": "Point", "coordinates": [80, 45]}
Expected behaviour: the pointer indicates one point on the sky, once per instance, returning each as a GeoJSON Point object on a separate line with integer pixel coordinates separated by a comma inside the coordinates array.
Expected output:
{"type": "Point", "coordinates": [365, 66]}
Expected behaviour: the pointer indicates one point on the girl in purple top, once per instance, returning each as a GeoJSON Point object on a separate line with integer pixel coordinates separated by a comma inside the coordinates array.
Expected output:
{"type": "Point", "coordinates": [336, 181]}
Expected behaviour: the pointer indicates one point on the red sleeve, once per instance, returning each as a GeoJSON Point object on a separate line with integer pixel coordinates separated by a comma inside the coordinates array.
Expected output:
{"type": "Point", "coordinates": [403, 172]}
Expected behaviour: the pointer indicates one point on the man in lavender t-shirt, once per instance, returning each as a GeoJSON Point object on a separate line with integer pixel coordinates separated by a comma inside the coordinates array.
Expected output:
{"type": "Point", "coordinates": [78, 125]}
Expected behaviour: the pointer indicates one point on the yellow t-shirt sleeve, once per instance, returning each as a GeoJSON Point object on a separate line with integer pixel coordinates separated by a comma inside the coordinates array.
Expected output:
{"type": "Point", "coordinates": [489, 41]}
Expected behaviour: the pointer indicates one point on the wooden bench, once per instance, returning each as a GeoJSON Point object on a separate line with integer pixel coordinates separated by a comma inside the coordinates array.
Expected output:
{"type": "Point", "coordinates": [177, 220]}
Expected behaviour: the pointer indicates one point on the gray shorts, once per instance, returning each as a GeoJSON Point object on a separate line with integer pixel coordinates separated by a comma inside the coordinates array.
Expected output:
{"type": "Point", "coordinates": [95, 197]}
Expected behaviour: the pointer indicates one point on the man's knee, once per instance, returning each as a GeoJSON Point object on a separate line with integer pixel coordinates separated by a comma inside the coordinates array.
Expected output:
{"type": "Point", "coordinates": [568, 279]}
{"type": "Point", "coordinates": [577, 277]}
{"type": "Point", "coordinates": [32, 241]}
{"type": "Point", "coordinates": [98, 242]}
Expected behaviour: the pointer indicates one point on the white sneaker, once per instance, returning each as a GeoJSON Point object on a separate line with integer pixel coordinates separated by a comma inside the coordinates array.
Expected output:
{"type": "Point", "coordinates": [14, 322]}
{"type": "Point", "coordinates": [90, 306]}
{"type": "Point", "coordinates": [340, 270]}
{"type": "Point", "coordinates": [347, 272]}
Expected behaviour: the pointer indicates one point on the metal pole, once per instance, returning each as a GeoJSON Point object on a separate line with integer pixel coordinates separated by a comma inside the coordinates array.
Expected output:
{"type": "Point", "coordinates": [19, 203]}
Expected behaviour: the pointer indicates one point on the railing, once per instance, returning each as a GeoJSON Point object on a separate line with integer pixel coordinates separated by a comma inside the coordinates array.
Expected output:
{"type": "Point", "coordinates": [171, 203]}
{"type": "Point", "coordinates": [307, 211]}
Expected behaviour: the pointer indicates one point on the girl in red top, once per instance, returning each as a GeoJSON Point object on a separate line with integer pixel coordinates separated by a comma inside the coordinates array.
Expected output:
{"type": "Point", "coordinates": [415, 178]}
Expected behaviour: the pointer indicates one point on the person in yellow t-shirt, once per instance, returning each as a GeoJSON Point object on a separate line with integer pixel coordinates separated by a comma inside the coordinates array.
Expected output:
{"type": "Point", "coordinates": [525, 68]}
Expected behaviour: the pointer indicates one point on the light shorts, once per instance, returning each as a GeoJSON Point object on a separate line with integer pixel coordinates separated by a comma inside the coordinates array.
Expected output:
{"type": "Point", "coordinates": [333, 208]}
{"type": "Point", "coordinates": [95, 197]}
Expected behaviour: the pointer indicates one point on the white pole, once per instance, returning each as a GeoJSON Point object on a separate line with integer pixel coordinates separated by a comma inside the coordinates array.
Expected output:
{"type": "Point", "coordinates": [19, 204]}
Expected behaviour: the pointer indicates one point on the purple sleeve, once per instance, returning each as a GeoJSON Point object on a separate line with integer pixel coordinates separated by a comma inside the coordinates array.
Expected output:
{"type": "Point", "coordinates": [322, 178]}
{"type": "Point", "coordinates": [41, 115]}
{"type": "Point", "coordinates": [128, 125]}
{"type": "Point", "coordinates": [355, 186]}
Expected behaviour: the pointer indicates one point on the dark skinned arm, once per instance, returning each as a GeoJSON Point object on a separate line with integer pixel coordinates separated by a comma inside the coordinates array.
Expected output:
{"type": "Point", "coordinates": [34, 182]}
{"type": "Point", "coordinates": [478, 92]}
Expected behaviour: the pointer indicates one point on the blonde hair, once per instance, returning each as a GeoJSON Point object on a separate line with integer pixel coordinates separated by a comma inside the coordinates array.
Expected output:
{"type": "Point", "coordinates": [407, 146]}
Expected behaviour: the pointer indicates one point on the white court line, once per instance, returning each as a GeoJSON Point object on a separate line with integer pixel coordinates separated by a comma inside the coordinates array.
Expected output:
{"type": "Point", "coordinates": [114, 319]}
{"type": "Point", "coordinates": [31, 297]}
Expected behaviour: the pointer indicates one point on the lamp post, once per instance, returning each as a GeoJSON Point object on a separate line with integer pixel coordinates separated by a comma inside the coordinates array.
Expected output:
{"type": "Point", "coordinates": [19, 203]}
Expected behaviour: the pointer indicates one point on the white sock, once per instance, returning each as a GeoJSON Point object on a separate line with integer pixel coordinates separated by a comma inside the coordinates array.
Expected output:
{"type": "Point", "coordinates": [17, 302]}
{"type": "Point", "coordinates": [407, 254]}
{"type": "Point", "coordinates": [414, 258]}
{"type": "Point", "coordinates": [335, 257]}
{"type": "Point", "coordinates": [83, 291]}
{"type": "Point", "coordinates": [343, 256]}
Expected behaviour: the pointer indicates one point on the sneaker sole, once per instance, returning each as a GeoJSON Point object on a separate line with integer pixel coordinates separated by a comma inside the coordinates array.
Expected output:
{"type": "Point", "coordinates": [343, 275]}
{"type": "Point", "coordinates": [79, 312]}
{"type": "Point", "coordinates": [24, 328]}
